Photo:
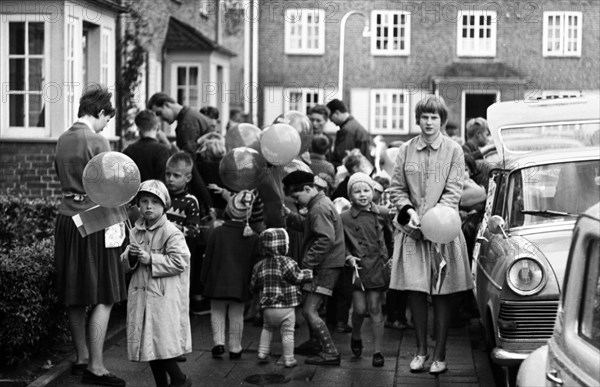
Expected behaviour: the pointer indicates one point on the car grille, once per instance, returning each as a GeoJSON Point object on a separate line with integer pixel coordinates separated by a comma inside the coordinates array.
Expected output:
{"type": "Point", "coordinates": [527, 320]}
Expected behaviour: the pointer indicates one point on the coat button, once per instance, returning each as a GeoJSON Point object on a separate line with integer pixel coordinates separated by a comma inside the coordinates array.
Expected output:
{"type": "Point", "coordinates": [135, 288]}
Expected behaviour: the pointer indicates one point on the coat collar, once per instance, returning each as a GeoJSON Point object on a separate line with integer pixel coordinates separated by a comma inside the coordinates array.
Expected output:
{"type": "Point", "coordinates": [421, 144]}
{"type": "Point", "coordinates": [140, 224]}
{"type": "Point", "coordinates": [356, 211]}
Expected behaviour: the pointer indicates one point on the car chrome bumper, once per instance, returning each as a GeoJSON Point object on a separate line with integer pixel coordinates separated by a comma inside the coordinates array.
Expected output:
{"type": "Point", "coordinates": [505, 358]}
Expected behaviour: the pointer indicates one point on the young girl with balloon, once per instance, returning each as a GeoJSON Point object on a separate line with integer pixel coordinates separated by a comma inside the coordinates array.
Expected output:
{"type": "Point", "coordinates": [430, 253]}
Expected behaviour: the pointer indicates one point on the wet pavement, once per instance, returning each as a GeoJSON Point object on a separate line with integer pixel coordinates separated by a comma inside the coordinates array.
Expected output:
{"type": "Point", "coordinates": [468, 363]}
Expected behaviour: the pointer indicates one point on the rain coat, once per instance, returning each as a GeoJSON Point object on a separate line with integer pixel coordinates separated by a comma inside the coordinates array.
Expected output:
{"type": "Point", "coordinates": [158, 323]}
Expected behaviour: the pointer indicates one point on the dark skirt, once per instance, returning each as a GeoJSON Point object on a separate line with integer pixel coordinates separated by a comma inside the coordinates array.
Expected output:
{"type": "Point", "coordinates": [87, 273]}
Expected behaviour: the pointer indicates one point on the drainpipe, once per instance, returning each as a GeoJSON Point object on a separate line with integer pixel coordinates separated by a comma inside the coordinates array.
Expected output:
{"type": "Point", "coordinates": [247, 57]}
{"type": "Point", "coordinates": [254, 88]}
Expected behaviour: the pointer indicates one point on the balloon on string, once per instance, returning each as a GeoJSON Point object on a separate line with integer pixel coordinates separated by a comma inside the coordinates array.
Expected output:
{"type": "Point", "coordinates": [243, 134]}
{"type": "Point", "coordinates": [242, 168]}
{"type": "Point", "coordinates": [111, 179]}
{"type": "Point", "coordinates": [279, 144]}
{"type": "Point", "coordinates": [295, 165]}
{"type": "Point", "coordinates": [301, 123]}
{"type": "Point", "coordinates": [441, 224]}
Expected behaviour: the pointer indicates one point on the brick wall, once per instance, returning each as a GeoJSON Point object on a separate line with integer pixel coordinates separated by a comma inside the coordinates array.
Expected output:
{"type": "Point", "coordinates": [27, 168]}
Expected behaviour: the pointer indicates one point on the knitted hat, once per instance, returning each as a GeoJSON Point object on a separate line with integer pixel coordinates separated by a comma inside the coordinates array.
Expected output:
{"type": "Point", "coordinates": [359, 177]}
{"type": "Point", "coordinates": [239, 207]}
{"type": "Point", "coordinates": [156, 188]}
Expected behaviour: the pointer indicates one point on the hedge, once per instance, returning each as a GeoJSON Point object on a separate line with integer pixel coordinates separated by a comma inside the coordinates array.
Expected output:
{"type": "Point", "coordinates": [32, 316]}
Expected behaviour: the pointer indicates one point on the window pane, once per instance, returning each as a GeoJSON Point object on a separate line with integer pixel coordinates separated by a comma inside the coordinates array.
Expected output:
{"type": "Point", "coordinates": [590, 308]}
{"type": "Point", "coordinates": [193, 76]}
{"type": "Point", "coordinates": [36, 77]}
{"type": "Point", "coordinates": [193, 97]}
{"type": "Point", "coordinates": [181, 96]}
{"type": "Point", "coordinates": [36, 38]}
{"type": "Point", "coordinates": [36, 110]}
{"type": "Point", "coordinates": [181, 76]}
{"type": "Point", "coordinates": [16, 33]}
{"type": "Point", "coordinates": [16, 108]}
{"type": "Point", "coordinates": [16, 69]}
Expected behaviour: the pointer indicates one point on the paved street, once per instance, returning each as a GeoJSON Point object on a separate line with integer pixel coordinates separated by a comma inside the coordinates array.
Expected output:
{"type": "Point", "coordinates": [467, 362]}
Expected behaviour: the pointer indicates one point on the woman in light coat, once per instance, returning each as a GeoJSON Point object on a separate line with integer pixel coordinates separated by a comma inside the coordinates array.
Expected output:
{"type": "Point", "coordinates": [158, 324]}
{"type": "Point", "coordinates": [429, 172]}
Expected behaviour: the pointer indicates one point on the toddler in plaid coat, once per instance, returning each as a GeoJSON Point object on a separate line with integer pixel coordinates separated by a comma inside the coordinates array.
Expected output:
{"type": "Point", "coordinates": [276, 279]}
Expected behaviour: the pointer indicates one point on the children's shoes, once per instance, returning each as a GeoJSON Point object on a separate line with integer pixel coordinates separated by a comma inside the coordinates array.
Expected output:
{"type": "Point", "coordinates": [287, 363]}
{"type": "Point", "coordinates": [218, 351]}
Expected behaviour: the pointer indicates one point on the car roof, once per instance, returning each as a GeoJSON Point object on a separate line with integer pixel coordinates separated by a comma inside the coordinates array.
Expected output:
{"type": "Point", "coordinates": [544, 111]}
{"type": "Point", "coordinates": [553, 156]}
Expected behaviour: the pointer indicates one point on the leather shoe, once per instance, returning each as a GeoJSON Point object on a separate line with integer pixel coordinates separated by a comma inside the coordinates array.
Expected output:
{"type": "Point", "coordinates": [378, 360]}
{"type": "Point", "coordinates": [356, 347]}
{"type": "Point", "coordinates": [438, 367]}
{"type": "Point", "coordinates": [309, 348]}
{"type": "Point", "coordinates": [101, 380]}
{"type": "Point", "coordinates": [324, 359]}
{"type": "Point", "coordinates": [418, 363]}
{"type": "Point", "coordinates": [235, 355]}
{"type": "Point", "coordinates": [77, 369]}
{"type": "Point", "coordinates": [186, 383]}
{"type": "Point", "coordinates": [218, 351]}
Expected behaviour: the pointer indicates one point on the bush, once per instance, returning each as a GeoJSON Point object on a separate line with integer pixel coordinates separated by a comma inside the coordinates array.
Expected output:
{"type": "Point", "coordinates": [32, 316]}
{"type": "Point", "coordinates": [25, 221]}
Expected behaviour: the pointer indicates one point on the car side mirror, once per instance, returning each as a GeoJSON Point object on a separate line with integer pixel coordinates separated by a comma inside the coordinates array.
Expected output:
{"type": "Point", "coordinates": [496, 225]}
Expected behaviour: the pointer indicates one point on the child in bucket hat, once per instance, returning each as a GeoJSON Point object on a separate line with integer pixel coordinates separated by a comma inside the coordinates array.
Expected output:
{"type": "Point", "coordinates": [158, 258]}
{"type": "Point", "coordinates": [231, 252]}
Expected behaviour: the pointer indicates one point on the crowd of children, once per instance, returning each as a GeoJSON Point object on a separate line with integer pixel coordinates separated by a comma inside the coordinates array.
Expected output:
{"type": "Point", "coordinates": [320, 257]}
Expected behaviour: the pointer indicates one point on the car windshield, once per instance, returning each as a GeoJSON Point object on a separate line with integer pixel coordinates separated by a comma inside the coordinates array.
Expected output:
{"type": "Point", "coordinates": [550, 136]}
{"type": "Point", "coordinates": [552, 193]}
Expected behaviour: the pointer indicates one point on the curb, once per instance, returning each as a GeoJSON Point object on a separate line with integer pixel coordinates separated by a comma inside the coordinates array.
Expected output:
{"type": "Point", "coordinates": [112, 337]}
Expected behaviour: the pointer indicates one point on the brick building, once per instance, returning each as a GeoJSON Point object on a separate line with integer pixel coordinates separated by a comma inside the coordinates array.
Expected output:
{"type": "Point", "coordinates": [266, 57]}
{"type": "Point", "coordinates": [50, 50]}
{"type": "Point", "coordinates": [471, 53]}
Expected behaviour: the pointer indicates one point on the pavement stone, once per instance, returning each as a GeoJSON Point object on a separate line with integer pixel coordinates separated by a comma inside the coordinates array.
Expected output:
{"type": "Point", "coordinates": [467, 367]}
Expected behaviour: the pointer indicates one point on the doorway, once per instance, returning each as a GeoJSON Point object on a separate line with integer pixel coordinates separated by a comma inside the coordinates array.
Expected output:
{"type": "Point", "coordinates": [475, 104]}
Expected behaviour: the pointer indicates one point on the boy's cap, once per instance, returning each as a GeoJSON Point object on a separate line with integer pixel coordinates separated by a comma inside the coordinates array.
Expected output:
{"type": "Point", "coordinates": [274, 241]}
{"type": "Point", "coordinates": [297, 178]}
{"type": "Point", "coordinates": [157, 188]}
{"type": "Point", "coordinates": [239, 205]}
{"type": "Point", "coordinates": [359, 177]}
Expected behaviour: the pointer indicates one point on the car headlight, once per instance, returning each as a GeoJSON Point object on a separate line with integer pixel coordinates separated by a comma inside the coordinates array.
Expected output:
{"type": "Point", "coordinates": [526, 276]}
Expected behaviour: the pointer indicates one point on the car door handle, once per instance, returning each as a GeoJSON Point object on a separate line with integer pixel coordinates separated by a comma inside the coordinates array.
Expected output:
{"type": "Point", "coordinates": [554, 377]}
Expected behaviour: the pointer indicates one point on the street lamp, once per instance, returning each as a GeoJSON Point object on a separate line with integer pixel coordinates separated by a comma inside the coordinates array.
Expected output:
{"type": "Point", "coordinates": [365, 34]}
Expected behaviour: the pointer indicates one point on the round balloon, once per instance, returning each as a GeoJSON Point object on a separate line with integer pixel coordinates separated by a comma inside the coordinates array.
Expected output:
{"type": "Point", "coordinates": [295, 165]}
{"type": "Point", "coordinates": [242, 168]}
{"type": "Point", "coordinates": [301, 123]}
{"type": "Point", "coordinates": [279, 144]}
{"type": "Point", "coordinates": [441, 224]}
{"type": "Point", "coordinates": [243, 134]}
{"type": "Point", "coordinates": [111, 179]}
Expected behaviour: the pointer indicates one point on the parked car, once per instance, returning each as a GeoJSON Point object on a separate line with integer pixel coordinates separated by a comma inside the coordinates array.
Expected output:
{"type": "Point", "coordinates": [572, 356]}
{"type": "Point", "coordinates": [547, 175]}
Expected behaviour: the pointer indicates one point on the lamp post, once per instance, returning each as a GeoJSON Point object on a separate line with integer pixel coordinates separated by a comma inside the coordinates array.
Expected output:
{"type": "Point", "coordinates": [365, 34]}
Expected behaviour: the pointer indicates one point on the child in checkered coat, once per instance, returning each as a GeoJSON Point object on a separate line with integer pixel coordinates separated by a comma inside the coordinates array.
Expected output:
{"type": "Point", "coordinates": [276, 279]}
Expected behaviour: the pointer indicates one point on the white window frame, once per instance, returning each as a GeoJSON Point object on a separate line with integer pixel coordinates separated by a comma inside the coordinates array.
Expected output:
{"type": "Point", "coordinates": [387, 23]}
{"type": "Point", "coordinates": [388, 94]}
{"type": "Point", "coordinates": [477, 43]}
{"type": "Point", "coordinates": [305, 92]}
{"type": "Point", "coordinates": [7, 131]}
{"type": "Point", "coordinates": [298, 28]}
{"type": "Point", "coordinates": [564, 31]}
{"type": "Point", "coordinates": [175, 86]}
